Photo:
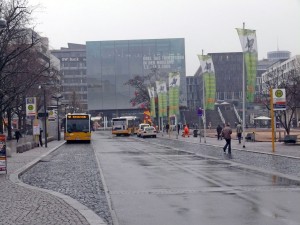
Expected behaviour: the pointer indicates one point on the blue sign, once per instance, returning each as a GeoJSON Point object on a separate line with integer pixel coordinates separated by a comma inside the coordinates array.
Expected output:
{"type": "Point", "coordinates": [200, 112]}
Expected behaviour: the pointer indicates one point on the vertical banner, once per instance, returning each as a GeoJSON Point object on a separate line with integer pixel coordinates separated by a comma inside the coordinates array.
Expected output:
{"type": "Point", "coordinates": [209, 79]}
{"type": "Point", "coordinates": [152, 101]}
{"type": "Point", "coordinates": [174, 85]}
{"type": "Point", "coordinates": [249, 46]}
{"type": "Point", "coordinates": [161, 89]}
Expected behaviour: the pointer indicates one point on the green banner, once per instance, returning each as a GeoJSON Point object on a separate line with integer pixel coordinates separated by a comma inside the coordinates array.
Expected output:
{"type": "Point", "coordinates": [210, 90]}
{"type": "Point", "coordinates": [152, 101]}
{"type": "Point", "coordinates": [209, 78]}
{"type": "Point", "coordinates": [249, 46]}
{"type": "Point", "coordinates": [174, 85]}
{"type": "Point", "coordinates": [161, 89]}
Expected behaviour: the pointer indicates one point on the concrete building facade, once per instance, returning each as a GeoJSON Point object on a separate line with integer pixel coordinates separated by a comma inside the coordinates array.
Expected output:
{"type": "Point", "coordinates": [110, 64]}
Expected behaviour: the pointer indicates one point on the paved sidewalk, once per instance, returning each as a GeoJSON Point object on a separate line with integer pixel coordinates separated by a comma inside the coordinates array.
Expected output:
{"type": "Point", "coordinates": [288, 150]}
{"type": "Point", "coordinates": [24, 204]}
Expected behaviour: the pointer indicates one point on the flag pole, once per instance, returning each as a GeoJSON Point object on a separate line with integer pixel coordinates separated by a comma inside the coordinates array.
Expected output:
{"type": "Point", "coordinates": [204, 114]}
{"type": "Point", "coordinates": [244, 99]}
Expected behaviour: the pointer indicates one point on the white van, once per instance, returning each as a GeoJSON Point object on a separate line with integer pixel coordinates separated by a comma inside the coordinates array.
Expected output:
{"type": "Point", "coordinates": [141, 128]}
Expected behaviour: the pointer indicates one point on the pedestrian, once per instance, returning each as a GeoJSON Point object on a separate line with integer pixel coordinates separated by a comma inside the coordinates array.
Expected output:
{"type": "Point", "coordinates": [219, 131]}
{"type": "Point", "coordinates": [167, 128]}
{"type": "Point", "coordinates": [178, 128]}
{"type": "Point", "coordinates": [226, 133]}
{"type": "Point", "coordinates": [186, 131]}
{"type": "Point", "coordinates": [40, 137]}
{"type": "Point", "coordinates": [209, 125]}
{"type": "Point", "coordinates": [18, 135]}
{"type": "Point", "coordinates": [239, 131]}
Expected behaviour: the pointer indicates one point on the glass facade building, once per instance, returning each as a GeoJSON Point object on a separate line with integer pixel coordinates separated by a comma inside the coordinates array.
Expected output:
{"type": "Point", "coordinates": [110, 64]}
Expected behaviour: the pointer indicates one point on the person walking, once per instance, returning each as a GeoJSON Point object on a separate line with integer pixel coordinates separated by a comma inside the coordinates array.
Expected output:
{"type": "Point", "coordinates": [239, 131]}
{"type": "Point", "coordinates": [40, 137]}
{"type": "Point", "coordinates": [17, 135]}
{"type": "Point", "coordinates": [219, 131]}
{"type": "Point", "coordinates": [178, 128]}
{"type": "Point", "coordinates": [226, 133]}
{"type": "Point", "coordinates": [167, 128]}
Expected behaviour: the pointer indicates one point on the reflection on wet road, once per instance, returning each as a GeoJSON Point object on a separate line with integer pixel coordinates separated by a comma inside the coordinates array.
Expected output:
{"type": "Point", "coordinates": [155, 184]}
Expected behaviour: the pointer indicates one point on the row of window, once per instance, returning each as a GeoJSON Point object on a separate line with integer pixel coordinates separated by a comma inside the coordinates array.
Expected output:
{"type": "Point", "coordinates": [74, 88]}
{"type": "Point", "coordinates": [74, 80]}
{"type": "Point", "coordinates": [74, 72]}
{"type": "Point", "coordinates": [73, 64]}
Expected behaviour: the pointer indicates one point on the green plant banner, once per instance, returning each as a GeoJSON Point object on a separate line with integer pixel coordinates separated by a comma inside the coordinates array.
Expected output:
{"type": "Point", "coordinates": [161, 89]}
{"type": "Point", "coordinates": [174, 87]}
{"type": "Point", "coordinates": [208, 74]}
{"type": "Point", "coordinates": [249, 45]}
{"type": "Point", "coordinates": [152, 101]}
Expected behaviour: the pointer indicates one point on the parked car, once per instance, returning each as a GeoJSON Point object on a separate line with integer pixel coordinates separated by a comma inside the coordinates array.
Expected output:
{"type": "Point", "coordinates": [149, 132]}
{"type": "Point", "coordinates": [141, 128]}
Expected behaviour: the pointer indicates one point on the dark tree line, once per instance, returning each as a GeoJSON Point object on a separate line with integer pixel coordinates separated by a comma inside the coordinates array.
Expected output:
{"type": "Point", "coordinates": [25, 63]}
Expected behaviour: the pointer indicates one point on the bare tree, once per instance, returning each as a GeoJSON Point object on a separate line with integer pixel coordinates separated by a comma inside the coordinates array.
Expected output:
{"type": "Point", "coordinates": [23, 59]}
{"type": "Point", "coordinates": [140, 84]}
{"type": "Point", "coordinates": [290, 81]}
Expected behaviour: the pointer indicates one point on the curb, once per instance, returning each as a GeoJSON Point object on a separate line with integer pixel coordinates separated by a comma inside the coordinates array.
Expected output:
{"type": "Point", "coordinates": [91, 217]}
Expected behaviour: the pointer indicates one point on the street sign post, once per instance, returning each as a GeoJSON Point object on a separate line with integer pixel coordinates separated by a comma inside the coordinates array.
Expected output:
{"type": "Point", "coordinates": [200, 113]}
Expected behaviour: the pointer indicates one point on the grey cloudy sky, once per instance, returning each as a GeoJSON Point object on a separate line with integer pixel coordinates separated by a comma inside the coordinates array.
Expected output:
{"type": "Point", "coordinates": [205, 24]}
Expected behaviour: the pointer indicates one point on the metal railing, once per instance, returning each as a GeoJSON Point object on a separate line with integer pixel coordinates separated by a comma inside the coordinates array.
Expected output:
{"type": "Point", "coordinates": [237, 114]}
{"type": "Point", "coordinates": [221, 115]}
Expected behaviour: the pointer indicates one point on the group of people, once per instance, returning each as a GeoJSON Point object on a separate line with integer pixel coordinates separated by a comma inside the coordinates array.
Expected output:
{"type": "Point", "coordinates": [185, 132]}
{"type": "Point", "coordinates": [226, 132]}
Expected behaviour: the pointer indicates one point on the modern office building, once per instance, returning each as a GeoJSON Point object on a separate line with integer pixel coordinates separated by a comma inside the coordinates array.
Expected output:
{"type": "Point", "coordinates": [110, 64]}
{"type": "Point", "coordinates": [73, 77]}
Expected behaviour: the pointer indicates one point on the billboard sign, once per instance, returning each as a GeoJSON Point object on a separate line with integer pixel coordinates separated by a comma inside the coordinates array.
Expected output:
{"type": "Point", "coordinates": [279, 99]}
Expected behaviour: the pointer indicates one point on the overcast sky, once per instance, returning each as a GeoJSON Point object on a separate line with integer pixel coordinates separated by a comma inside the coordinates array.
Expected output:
{"type": "Point", "coordinates": [205, 24]}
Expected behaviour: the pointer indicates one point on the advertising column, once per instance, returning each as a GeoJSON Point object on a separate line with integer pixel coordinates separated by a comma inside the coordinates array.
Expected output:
{"type": "Point", "coordinates": [3, 158]}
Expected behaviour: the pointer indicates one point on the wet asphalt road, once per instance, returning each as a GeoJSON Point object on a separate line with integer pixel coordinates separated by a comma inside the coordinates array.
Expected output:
{"type": "Point", "coordinates": [151, 182]}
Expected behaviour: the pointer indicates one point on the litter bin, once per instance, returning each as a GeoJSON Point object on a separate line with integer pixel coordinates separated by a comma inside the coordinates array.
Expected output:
{"type": "Point", "coordinates": [195, 132]}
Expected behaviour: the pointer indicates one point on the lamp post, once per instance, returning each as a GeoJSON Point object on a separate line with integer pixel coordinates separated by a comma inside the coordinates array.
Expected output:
{"type": "Point", "coordinates": [2, 26]}
{"type": "Point", "coordinates": [45, 115]}
{"type": "Point", "coordinates": [57, 100]}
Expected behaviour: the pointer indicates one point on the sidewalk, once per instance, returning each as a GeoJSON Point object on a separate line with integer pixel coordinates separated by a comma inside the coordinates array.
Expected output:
{"type": "Point", "coordinates": [287, 150]}
{"type": "Point", "coordinates": [25, 204]}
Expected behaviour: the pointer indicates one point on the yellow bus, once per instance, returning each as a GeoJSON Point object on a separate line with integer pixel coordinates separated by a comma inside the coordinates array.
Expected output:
{"type": "Point", "coordinates": [78, 127]}
{"type": "Point", "coordinates": [125, 125]}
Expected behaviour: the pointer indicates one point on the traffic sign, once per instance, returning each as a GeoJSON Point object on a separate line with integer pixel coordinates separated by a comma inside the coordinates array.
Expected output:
{"type": "Point", "coordinates": [43, 114]}
{"type": "Point", "coordinates": [279, 99]}
{"type": "Point", "coordinates": [30, 106]}
{"type": "Point", "coordinates": [200, 112]}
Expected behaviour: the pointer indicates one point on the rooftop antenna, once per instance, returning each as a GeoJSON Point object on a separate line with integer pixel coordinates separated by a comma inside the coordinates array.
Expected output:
{"type": "Point", "coordinates": [277, 44]}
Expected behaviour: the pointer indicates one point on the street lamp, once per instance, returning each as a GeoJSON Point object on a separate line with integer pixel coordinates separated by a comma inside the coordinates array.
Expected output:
{"type": "Point", "coordinates": [66, 106]}
{"type": "Point", "coordinates": [57, 100]}
{"type": "Point", "coordinates": [45, 115]}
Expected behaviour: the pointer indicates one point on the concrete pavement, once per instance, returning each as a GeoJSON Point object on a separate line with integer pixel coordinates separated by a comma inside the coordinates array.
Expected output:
{"type": "Point", "coordinates": [25, 204]}
{"type": "Point", "coordinates": [287, 150]}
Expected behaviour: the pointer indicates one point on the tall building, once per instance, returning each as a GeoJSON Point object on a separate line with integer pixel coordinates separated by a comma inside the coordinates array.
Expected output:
{"type": "Point", "coordinates": [73, 77]}
{"type": "Point", "coordinates": [112, 63]}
